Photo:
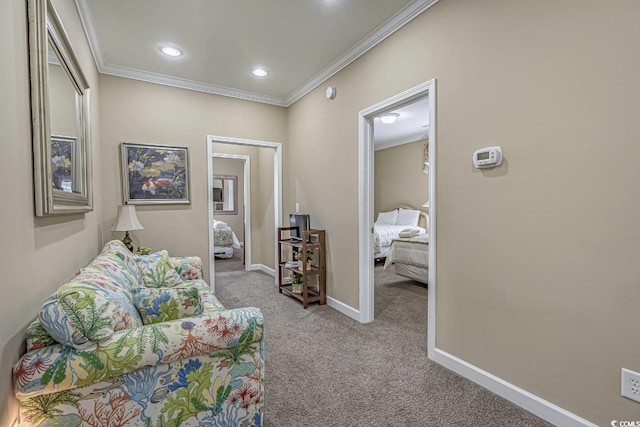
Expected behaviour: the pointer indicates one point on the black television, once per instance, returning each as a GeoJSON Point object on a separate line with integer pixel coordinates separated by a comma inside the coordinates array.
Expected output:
{"type": "Point", "coordinates": [301, 222]}
{"type": "Point", "coordinates": [217, 194]}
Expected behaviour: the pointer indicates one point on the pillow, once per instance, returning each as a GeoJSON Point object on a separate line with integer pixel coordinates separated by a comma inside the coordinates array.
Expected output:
{"type": "Point", "coordinates": [409, 232]}
{"type": "Point", "coordinates": [162, 304]}
{"type": "Point", "coordinates": [37, 336]}
{"type": "Point", "coordinates": [157, 271]}
{"type": "Point", "coordinates": [408, 217]}
{"type": "Point", "coordinates": [82, 313]}
{"type": "Point", "coordinates": [388, 217]}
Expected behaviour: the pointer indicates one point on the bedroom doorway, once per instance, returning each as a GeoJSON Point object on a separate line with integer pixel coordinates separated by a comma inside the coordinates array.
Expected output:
{"type": "Point", "coordinates": [423, 92]}
{"type": "Point", "coordinates": [269, 155]}
{"type": "Point", "coordinates": [231, 193]}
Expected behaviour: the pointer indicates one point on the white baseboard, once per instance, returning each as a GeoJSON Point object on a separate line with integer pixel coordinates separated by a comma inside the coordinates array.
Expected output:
{"type": "Point", "coordinates": [263, 268]}
{"type": "Point", "coordinates": [343, 308]}
{"type": "Point", "coordinates": [532, 403]}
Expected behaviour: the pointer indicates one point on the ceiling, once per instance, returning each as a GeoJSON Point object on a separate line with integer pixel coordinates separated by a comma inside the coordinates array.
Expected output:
{"type": "Point", "coordinates": [411, 125]}
{"type": "Point", "coordinates": [300, 43]}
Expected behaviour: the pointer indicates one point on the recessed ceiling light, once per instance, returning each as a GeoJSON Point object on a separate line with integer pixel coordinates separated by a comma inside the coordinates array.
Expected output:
{"type": "Point", "coordinates": [171, 51]}
{"type": "Point", "coordinates": [259, 72]}
{"type": "Point", "coordinates": [389, 118]}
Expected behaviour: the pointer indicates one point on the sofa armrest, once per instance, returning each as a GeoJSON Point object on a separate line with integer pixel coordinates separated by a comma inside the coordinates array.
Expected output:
{"type": "Point", "coordinates": [58, 367]}
{"type": "Point", "coordinates": [188, 267]}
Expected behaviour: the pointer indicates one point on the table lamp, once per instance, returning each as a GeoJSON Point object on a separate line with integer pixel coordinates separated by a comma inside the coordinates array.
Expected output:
{"type": "Point", "coordinates": [126, 221]}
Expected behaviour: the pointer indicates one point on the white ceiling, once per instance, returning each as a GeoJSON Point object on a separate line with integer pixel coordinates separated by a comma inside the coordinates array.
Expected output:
{"type": "Point", "coordinates": [300, 42]}
{"type": "Point", "coordinates": [411, 125]}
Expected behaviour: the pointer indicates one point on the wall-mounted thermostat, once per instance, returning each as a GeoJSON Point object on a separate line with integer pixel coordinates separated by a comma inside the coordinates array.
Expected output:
{"type": "Point", "coordinates": [487, 157]}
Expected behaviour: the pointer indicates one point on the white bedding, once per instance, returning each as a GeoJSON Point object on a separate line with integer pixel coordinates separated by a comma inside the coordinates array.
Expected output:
{"type": "Point", "coordinates": [411, 251]}
{"type": "Point", "coordinates": [223, 246]}
{"type": "Point", "coordinates": [385, 234]}
{"type": "Point", "coordinates": [410, 257]}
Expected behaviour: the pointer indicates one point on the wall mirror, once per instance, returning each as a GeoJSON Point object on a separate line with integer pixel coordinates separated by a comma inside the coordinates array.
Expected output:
{"type": "Point", "coordinates": [60, 117]}
{"type": "Point", "coordinates": [225, 195]}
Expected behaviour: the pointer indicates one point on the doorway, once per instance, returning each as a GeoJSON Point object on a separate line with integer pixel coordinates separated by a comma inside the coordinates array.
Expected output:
{"type": "Point", "coordinates": [276, 149]}
{"type": "Point", "coordinates": [366, 207]}
{"type": "Point", "coordinates": [235, 173]}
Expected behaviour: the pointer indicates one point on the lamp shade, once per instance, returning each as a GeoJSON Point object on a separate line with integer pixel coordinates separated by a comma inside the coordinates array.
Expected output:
{"type": "Point", "coordinates": [127, 219]}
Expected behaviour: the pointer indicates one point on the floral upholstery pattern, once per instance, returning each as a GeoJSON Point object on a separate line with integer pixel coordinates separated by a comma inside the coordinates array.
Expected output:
{"type": "Point", "coordinates": [222, 236]}
{"type": "Point", "coordinates": [205, 369]}
{"type": "Point", "coordinates": [189, 268]}
{"type": "Point", "coordinates": [161, 304]}
{"type": "Point", "coordinates": [37, 336]}
{"type": "Point", "coordinates": [157, 270]}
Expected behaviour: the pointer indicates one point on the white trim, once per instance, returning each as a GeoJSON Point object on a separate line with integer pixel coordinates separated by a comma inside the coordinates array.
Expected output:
{"type": "Point", "coordinates": [343, 308]}
{"type": "Point", "coordinates": [277, 190]}
{"type": "Point", "coordinates": [365, 211]}
{"type": "Point", "coordinates": [151, 77]}
{"type": "Point", "coordinates": [390, 26]}
{"type": "Point", "coordinates": [365, 202]}
{"type": "Point", "coordinates": [88, 23]}
{"type": "Point", "coordinates": [261, 267]}
{"type": "Point", "coordinates": [532, 403]}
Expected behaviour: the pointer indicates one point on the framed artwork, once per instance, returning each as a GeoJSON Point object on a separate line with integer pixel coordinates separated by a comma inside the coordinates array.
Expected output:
{"type": "Point", "coordinates": [63, 160]}
{"type": "Point", "coordinates": [154, 174]}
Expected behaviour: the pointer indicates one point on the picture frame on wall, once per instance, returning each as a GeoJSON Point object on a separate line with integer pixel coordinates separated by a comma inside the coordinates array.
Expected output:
{"type": "Point", "coordinates": [154, 174]}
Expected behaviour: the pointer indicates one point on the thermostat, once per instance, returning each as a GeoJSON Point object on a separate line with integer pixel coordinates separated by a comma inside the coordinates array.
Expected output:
{"type": "Point", "coordinates": [487, 157]}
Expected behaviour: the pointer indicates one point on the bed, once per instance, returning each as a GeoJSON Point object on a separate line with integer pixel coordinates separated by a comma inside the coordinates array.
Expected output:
{"type": "Point", "coordinates": [410, 257]}
{"type": "Point", "coordinates": [224, 240]}
{"type": "Point", "coordinates": [389, 225]}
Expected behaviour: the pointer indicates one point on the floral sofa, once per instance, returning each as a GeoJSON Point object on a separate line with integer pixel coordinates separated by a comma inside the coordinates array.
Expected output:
{"type": "Point", "coordinates": [141, 341]}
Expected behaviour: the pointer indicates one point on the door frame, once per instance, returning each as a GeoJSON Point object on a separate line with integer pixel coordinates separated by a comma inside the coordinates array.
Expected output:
{"type": "Point", "coordinates": [277, 196]}
{"type": "Point", "coordinates": [365, 202]}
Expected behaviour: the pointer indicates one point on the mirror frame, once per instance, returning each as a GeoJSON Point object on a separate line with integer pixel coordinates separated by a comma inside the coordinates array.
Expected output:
{"type": "Point", "coordinates": [46, 27]}
{"type": "Point", "coordinates": [235, 195]}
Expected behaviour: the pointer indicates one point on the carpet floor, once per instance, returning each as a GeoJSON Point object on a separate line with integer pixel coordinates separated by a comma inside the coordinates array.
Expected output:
{"type": "Point", "coordinates": [323, 368]}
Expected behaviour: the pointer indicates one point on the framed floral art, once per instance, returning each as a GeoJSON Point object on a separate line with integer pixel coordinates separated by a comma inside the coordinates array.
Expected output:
{"type": "Point", "coordinates": [154, 174]}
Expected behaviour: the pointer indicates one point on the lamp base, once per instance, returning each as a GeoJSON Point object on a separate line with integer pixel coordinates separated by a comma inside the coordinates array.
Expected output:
{"type": "Point", "coordinates": [127, 241]}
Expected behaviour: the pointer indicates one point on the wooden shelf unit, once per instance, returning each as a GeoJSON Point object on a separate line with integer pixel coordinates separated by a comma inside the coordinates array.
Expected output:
{"type": "Point", "coordinates": [317, 269]}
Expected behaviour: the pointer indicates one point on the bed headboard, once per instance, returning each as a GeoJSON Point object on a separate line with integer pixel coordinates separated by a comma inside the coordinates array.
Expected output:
{"type": "Point", "coordinates": [423, 221]}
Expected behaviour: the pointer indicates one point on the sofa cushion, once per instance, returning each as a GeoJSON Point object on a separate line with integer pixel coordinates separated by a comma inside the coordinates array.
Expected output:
{"type": "Point", "coordinates": [88, 310]}
{"type": "Point", "coordinates": [115, 248]}
{"type": "Point", "coordinates": [188, 267]}
{"type": "Point", "coordinates": [157, 271]}
{"type": "Point", "coordinates": [161, 304]}
{"type": "Point", "coordinates": [37, 336]}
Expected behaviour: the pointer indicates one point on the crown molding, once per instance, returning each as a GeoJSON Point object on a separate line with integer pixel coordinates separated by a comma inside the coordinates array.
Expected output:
{"type": "Point", "coordinates": [88, 23]}
{"type": "Point", "coordinates": [390, 26]}
{"type": "Point", "coordinates": [147, 76]}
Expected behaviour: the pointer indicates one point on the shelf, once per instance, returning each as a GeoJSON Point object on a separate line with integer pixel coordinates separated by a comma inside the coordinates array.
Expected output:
{"type": "Point", "coordinates": [312, 296]}
{"type": "Point", "coordinates": [316, 274]}
{"type": "Point", "coordinates": [314, 269]}
{"type": "Point", "coordinates": [299, 243]}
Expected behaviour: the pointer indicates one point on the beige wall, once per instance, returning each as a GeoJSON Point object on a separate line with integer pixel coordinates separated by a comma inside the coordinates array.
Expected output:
{"type": "Point", "coordinates": [232, 167]}
{"type": "Point", "coordinates": [398, 177]}
{"type": "Point", "coordinates": [537, 259]}
{"type": "Point", "coordinates": [38, 254]}
{"type": "Point", "coordinates": [134, 111]}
